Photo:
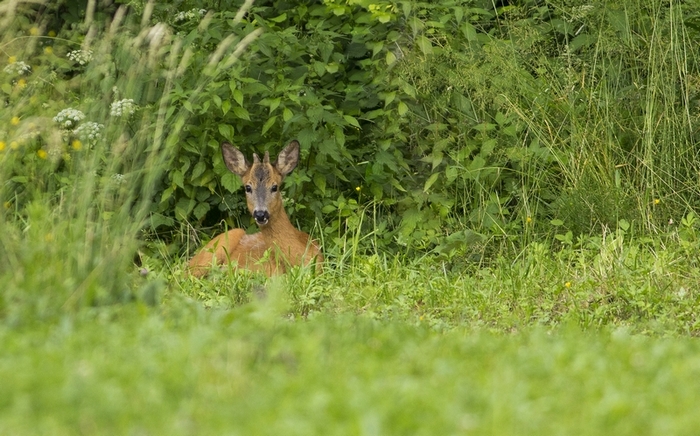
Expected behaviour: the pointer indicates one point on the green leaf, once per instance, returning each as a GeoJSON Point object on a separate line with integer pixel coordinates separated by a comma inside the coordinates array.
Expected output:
{"type": "Point", "coordinates": [241, 112]}
{"type": "Point", "coordinates": [178, 178]}
{"type": "Point", "coordinates": [287, 114]}
{"type": "Point", "coordinates": [269, 123]}
{"type": "Point", "coordinates": [279, 18]}
{"type": "Point", "coordinates": [352, 121]}
{"type": "Point", "coordinates": [332, 67]}
{"type": "Point", "coordinates": [274, 104]}
{"type": "Point", "coordinates": [431, 180]}
{"type": "Point", "coordinates": [226, 130]}
{"type": "Point", "coordinates": [226, 106]}
{"type": "Point", "coordinates": [390, 57]}
{"type": "Point", "coordinates": [403, 108]}
{"type": "Point", "coordinates": [469, 31]}
{"type": "Point", "coordinates": [320, 182]}
{"type": "Point", "coordinates": [201, 210]}
{"type": "Point", "coordinates": [557, 222]}
{"type": "Point", "coordinates": [425, 45]}
{"type": "Point", "coordinates": [230, 182]}
{"type": "Point", "coordinates": [238, 96]}
{"type": "Point", "coordinates": [198, 169]}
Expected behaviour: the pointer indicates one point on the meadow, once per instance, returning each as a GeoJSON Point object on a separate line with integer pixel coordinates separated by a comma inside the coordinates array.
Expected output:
{"type": "Point", "coordinates": [505, 198]}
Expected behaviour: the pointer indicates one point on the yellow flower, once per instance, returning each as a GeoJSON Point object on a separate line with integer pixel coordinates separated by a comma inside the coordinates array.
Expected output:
{"type": "Point", "coordinates": [358, 189]}
{"type": "Point", "coordinates": [48, 50]}
{"type": "Point", "coordinates": [21, 83]}
{"type": "Point", "coordinates": [12, 59]}
{"type": "Point", "coordinates": [77, 145]}
{"type": "Point", "coordinates": [567, 284]}
{"type": "Point", "coordinates": [2, 145]}
{"type": "Point", "coordinates": [528, 220]}
{"type": "Point", "coordinates": [52, 33]}
{"type": "Point", "coordinates": [42, 154]}
{"type": "Point", "coordinates": [657, 201]}
{"type": "Point", "coordinates": [14, 121]}
{"type": "Point", "coordinates": [34, 31]}
{"type": "Point", "coordinates": [14, 145]}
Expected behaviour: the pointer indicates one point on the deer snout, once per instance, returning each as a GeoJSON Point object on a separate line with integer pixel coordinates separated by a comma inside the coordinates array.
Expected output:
{"type": "Point", "coordinates": [261, 216]}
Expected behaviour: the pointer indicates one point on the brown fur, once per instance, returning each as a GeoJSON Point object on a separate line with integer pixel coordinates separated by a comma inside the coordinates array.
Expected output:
{"type": "Point", "coordinates": [279, 244]}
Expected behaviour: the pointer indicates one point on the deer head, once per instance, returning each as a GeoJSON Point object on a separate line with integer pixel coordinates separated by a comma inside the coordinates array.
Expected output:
{"type": "Point", "coordinates": [262, 179]}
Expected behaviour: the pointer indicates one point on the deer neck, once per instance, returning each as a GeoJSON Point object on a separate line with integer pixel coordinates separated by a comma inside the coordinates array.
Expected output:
{"type": "Point", "coordinates": [278, 228]}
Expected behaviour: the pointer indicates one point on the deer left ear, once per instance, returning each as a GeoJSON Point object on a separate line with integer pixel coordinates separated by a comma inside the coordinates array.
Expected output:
{"type": "Point", "coordinates": [288, 158]}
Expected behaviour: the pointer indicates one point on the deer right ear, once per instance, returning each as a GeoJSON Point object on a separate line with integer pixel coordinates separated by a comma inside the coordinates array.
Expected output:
{"type": "Point", "coordinates": [234, 159]}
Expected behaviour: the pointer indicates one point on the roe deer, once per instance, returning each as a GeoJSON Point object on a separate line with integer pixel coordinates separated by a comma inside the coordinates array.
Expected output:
{"type": "Point", "coordinates": [279, 244]}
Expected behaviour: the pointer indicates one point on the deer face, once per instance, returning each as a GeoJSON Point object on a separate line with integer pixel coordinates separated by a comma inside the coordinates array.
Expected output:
{"type": "Point", "coordinates": [262, 179]}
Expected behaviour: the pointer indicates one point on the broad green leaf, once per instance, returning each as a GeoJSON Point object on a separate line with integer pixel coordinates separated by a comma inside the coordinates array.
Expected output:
{"type": "Point", "coordinates": [274, 104]}
{"type": "Point", "coordinates": [403, 108]}
{"type": "Point", "coordinates": [425, 45]}
{"type": "Point", "coordinates": [352, 121]}
{"type": "Point", "coordinates": [279, 18]}
{"type": "Point", "coordinates": [287, 114]}
{"type": "Point", "coordinates": [226, 130]}
{"type": "Point", "coordinates": [241, 112]}
{"type": "Point", "coordinates": [431, 180]}
{"type": "Point", "coordinates": [226, 106]}
{"type": "Point", "coordinates": [178, 178]}
{"type": "Point", "coordinates": [230, 182]}
{"type": "Point", "coordinates": [201, 210]}
{"type": "Point", "coordinates": [198, 169]}
{"type": "Point", "coordinates": [390, 57]}
{"type": "Point", "coordinates": [320, 182]}
{"type": "Point", "coordinates": [269, 123]}
{"type": "Point", "coordinates": [238, 96]}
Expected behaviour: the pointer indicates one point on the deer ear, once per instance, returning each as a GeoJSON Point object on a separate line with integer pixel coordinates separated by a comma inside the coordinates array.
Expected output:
{"type": "Point", "coordinates": [234, 159]}
{"type": "Point", "coordinates": [288, 158]}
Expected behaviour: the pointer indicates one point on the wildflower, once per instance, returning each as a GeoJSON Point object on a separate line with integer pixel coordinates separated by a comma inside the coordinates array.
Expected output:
{"type": "Point", "coordinates": [528, 219]}
{"type": "Point", "coordinates": [19, 68]}
{"type": "Point", "coordinates": [42, 154]}
{"type": "Point", "coordinates": [190, 15]}
{"type": "Point", "coordinates": [48, 50]}
{"type": "Point", "coordinates": [76, 145]}
{"type": "Point", "coordinates": [52, 33]}
{"type": "Point", "coordinates": [21, 83]}
{"type": "Point", "coordinates": [118, 178]}
{"type": "Point", "coordinates": [89, 132]}
{"type": "Point", "coordinates": [358, 188]}
{"type": "Point", "coordinates": [14, 121]}
{"type": "Point", "coordinates": [125, 107]}
{"type": "Point", "coordinates": [68, 117]}
{"type": "Point", "coordinates": [567, 284]}
{"type": "Point", "coordinates": [34, 31]}
{"type": "Point", "coordinates": [14, 145]}
{"type": "Point", "coordinates": [2, 145]}
{"type": "Point", "coordinates": [12, 59]}
{"type": "Point", "coordinates": [81, 57]}
{"type": "Point", "coordinates": [657, 201]}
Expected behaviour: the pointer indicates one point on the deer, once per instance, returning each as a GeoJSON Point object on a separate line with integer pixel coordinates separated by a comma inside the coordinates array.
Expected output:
{"type": "Point", "coordinates": [278, 245]}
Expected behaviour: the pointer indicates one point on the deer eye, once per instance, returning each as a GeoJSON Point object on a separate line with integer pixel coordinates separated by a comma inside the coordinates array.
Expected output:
{"type": "Point", "coordinates": [248, 189]}
{"type": "Point", "coordinates": [274, 188]}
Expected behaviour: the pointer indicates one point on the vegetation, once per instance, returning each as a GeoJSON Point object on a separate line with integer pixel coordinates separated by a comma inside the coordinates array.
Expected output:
{"type": "Point", "coordinates": [505, 193]}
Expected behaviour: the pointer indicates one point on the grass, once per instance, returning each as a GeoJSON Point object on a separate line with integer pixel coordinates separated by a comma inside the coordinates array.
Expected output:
{"type": "Point", "coordinates": [186, 370]}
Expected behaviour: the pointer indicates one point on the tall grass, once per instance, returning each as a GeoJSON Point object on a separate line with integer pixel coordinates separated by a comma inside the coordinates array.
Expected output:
{"type": "Point", "coordinates": [75, 205]}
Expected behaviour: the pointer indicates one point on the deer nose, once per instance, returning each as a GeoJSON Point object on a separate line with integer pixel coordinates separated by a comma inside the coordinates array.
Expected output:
{"type": "Point", "coordinates": [261, 216]}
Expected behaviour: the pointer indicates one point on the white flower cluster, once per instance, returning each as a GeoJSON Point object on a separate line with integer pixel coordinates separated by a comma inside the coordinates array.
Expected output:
{"type": "Point", "coordinates": [68, 118]}
{"type": "Point", "coordinates": [118, 178]}
{"type": "Point", "coordinates": [20, 68]}
{"type": "Point", "coordinates": [81, 57]}
{"type": "Point", "coordinates": [190, 15]}
{"type": "Point", "coordinates": [89, 131]}
{"type": "Point", "coordinates": [123, 108]}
